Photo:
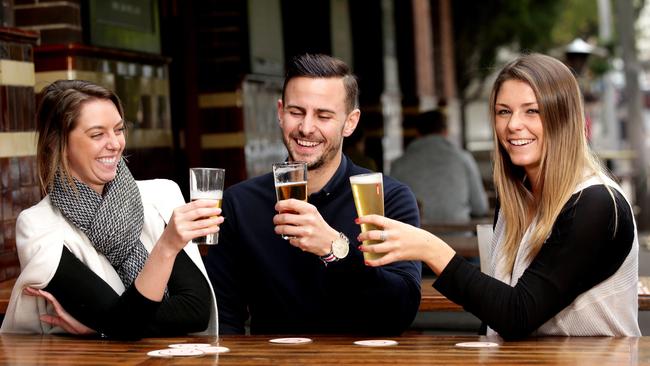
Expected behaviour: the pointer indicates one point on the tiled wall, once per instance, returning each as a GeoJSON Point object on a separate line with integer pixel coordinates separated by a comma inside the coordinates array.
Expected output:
{"type": "Point", "coordinates": [222, 59]}
{"type": "Point", "coordinates": [18, 178]}
{"type": "Point", "coordinates": [142, 83]}
{"type": "Point", "coordinates": [18, 190]}
{"type": "Point", "coordinates": [16, 101]}
{"type": "Point", "coordinates": [57, 21]}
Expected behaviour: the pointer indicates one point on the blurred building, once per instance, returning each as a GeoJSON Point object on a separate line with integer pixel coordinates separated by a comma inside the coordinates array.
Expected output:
{"type": "Point", "coordinates": [643, 34]}
{"type": "Point", "coordinates": [200, 79]}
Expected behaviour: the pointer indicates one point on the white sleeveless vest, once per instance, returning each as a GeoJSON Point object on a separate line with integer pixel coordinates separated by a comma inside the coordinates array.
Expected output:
{"type": "Point", "coordinates": [608, 309]}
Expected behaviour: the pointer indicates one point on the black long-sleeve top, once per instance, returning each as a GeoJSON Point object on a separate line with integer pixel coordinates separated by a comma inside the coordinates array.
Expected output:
{"type": "Point", "coordinates": [89, 299]}
{"type": "Point", "coordinates": [287, 291]}
{"type": "Point", "coordinates": [582, 251]}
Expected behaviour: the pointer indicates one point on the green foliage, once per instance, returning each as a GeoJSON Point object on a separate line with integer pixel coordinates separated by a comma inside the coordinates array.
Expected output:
{"type": "Point", "coordinates": [598, 66]}
{"type": "Point", "coordinates": [481, 27]}
{"type": "Point", "coordinates": [577, 18]}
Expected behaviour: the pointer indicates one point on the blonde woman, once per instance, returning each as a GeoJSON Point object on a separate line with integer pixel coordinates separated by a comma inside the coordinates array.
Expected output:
{"type": "Point", "coordinates": [564, 254]}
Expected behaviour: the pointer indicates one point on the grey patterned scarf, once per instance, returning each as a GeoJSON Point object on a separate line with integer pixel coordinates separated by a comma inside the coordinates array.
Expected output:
{"type": "Point", "coordinates": [113, 223]}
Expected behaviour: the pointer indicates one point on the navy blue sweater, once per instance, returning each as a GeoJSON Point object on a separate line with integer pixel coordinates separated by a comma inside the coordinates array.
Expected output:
{"type": "Point", "coordinates": [287, 291]}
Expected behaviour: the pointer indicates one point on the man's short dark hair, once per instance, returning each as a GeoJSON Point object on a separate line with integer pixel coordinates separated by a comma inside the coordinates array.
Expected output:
{"type": "Point", "coordinates": [324, 66]}
{"type": "Point", "coordinates": [431, 122]}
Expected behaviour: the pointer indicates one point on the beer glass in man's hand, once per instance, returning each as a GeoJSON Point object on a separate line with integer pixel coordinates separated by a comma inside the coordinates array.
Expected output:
{"type": "Point", "coordinates": [207, 184]}
{"type": "Point", "coordinates": [290, 180]}
{"type": "Point", "coordinates": [368, 193]}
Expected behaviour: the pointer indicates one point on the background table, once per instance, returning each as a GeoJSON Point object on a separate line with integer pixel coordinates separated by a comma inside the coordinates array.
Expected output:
{"type": "Point", "coordinates": [461, 236]}
{"type": "Point", "coordinates": [432, 300]}
{"type": "Point", "coordinates": [328, 350]}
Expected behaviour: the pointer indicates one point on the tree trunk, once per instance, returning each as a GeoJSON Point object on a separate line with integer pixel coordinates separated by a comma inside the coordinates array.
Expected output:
{"type": "Point", "coordinates": [636, 128]}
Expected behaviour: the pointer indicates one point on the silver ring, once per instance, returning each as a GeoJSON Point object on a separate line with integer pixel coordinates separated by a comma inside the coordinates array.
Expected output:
{"type": "Point", "coordinates": [383, 236]}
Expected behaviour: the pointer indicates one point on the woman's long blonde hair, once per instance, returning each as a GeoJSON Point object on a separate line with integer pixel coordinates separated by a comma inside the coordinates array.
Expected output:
{"type": "Point", "coordinates": [566, 156]}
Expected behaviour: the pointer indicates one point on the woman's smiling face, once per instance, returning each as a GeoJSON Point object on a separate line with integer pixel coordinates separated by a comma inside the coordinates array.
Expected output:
{"type": "Point", "coordinates": [96, 143]}
{"type": "Point", "coordinates": [518, 125]}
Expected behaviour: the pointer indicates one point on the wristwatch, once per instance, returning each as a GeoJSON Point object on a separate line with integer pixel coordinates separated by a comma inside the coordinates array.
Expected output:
{"type": "Point", "coordinates": [340, 249]}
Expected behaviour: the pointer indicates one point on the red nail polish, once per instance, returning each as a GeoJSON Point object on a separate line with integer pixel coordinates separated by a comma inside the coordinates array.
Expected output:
{"type": "Point", "coordinates": [356, 221]}
{"type": "Point", "coordinates": [366, 263]}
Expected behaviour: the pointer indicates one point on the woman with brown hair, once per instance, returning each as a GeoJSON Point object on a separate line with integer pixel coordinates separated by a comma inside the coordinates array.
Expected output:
{"type": "Point", "coordinates": [564, 254]}
{"type": "Point", "coordinates": [102, 252]}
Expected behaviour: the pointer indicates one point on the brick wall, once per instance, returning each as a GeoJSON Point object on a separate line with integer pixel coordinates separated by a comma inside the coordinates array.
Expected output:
{"type": "Point", "coordinates": [18, 181]}
{"type": "Point", "coordinates": [57, 21]}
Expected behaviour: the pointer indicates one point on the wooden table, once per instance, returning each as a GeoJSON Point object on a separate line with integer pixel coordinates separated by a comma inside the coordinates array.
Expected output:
{"type": "Point", "coordinates": [461, 236]}
{"type": "Point", "coordinates": [465, 246]}
{"type": "Point", "coordinates": [432, 300]}
{"type": "Point", "coordinates": [329, 350]}
{"type": "Point", "coordinates": [5, 294]}
{"type": "Point", "coordinates": [439, 227]}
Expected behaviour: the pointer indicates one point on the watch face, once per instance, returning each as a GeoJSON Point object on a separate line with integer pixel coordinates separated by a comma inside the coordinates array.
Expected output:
{"type": "Point", "coordinates": [340, 248]}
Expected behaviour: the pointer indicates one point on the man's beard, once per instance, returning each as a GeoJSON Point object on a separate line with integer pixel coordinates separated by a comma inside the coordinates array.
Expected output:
{"type": "Point", "coordinates": [325, 157]}
{"type": "Point", "coordinates": [316, 164]}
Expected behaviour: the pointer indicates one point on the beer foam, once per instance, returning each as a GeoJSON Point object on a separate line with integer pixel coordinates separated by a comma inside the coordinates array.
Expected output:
{"type": "Point", "coordinates": [290, 183]}
{"type": "Point", "coordinates": [370, 178]}
{"type": "Point", "coordinates": [206, 195]}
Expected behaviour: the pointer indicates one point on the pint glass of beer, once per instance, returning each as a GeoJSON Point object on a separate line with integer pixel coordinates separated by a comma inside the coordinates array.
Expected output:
{"type": "Point", "coordinates": [290, 180]}
{"type": "Point", "coordinates": [207, 184]}
{"type": "Point", "coordinates": [368, 193]}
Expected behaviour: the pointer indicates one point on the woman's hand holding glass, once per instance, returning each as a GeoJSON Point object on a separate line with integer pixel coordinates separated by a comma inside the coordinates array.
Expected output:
{"type": "Point", "coordinates": [192, 220]}
{"type": "Point", "coordinates": [403, 242]}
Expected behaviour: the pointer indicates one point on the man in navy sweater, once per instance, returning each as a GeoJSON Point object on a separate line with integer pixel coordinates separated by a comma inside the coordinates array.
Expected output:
{"type": "Point", "coordinates": [317, 281]}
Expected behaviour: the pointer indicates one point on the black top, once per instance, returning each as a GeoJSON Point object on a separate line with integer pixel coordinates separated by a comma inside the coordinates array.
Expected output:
{"type": "Point", "coordinates": [285, 290]}
{"type": "Point", "coordinates": [90, 300]}
{"type": "Point", "coordinates": [582, 251]}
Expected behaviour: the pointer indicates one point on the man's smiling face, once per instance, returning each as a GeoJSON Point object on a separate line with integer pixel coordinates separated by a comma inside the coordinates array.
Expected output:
{"type": "Point", "coordinates": [313, 119]}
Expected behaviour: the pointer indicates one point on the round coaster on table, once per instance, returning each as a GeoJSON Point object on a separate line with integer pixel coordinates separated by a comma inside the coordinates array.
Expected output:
{"type": "Point", "coordinates": [477, 344]}
{"type": "Point", "coordinates": [376, 343]}
{"type": "Point", "coordinates": [290, 340]}
{"type": "Point", "coordinates": [214, 350]}
{"type": "Point", "coordinates": [175, 352]}
{"type": "Point", "coordinates": [190, 345]}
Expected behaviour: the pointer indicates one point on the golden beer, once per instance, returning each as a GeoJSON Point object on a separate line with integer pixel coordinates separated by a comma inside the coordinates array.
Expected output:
{"type": "Point", "coordinates": [215, 196]}
{"type": "Point", "coordinates": [296, 190]}
{"type": "Point", "coordinates": [207, 184]}
{"type": "Point", "coordinates": [290, 180]}
{"type": "Point", "coordinates": [368, 193]}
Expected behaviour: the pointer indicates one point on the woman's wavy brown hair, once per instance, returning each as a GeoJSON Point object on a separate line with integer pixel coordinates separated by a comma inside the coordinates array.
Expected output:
{"type": "Point", "coordinates": [57, 115]}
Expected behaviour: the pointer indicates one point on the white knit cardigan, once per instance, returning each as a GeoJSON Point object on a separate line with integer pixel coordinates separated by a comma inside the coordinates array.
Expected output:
{"type": "Point", "coordinates": [608, 309]}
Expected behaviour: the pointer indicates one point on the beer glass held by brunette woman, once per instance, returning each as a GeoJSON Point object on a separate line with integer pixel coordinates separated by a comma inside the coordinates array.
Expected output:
{"type": "Point", "coordinates": [104, 253]}
{"type": "Point", "coordinates": [564, 254]}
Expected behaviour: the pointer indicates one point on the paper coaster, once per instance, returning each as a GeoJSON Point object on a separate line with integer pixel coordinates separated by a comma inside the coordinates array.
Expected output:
{"type": "Point", "coordinates": [290, 340]}
{"type": "Point", "coordinates": [214, 350]}
{"type": "Point", "coordinates": [376, 343]}
{"type": "Point", "coordinates": [175, 352]}
{"type": "Point", "coordinates": [190, 345]}
{"type": "Point", "coordinates": [477, 344]}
